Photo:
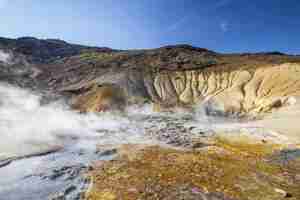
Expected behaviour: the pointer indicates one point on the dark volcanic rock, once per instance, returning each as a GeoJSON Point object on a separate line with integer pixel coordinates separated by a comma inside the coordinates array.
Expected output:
{"type": "Point", "coordinates": [28, 56]}
{"type": "Point", "coordinates": [45, 51]}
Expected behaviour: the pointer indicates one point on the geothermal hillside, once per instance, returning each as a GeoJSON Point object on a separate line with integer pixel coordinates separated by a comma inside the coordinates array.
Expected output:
{"type": "Point", "coordinates": [176, 122]}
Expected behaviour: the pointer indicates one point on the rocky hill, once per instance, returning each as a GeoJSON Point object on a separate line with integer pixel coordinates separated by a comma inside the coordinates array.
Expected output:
{"type": "Point", "coordinates": [22, 58]}
{"type": "Point", "coordinates": [182, 76]}
{"type": "Point", "coordinates": [170, 76]}
{"type": "Point", "coordinates": [44, 51]}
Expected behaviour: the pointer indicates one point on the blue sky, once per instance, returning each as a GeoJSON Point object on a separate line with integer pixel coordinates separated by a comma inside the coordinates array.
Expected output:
{"type": "Point", "coordinates": [220, 25]}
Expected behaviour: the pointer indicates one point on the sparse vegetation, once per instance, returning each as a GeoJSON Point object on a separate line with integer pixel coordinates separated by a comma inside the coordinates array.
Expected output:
{"type": "Point", "coordinates": [160, 173]}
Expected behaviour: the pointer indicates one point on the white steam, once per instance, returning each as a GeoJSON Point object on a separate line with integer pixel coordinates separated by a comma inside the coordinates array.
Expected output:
{"type": "Point", "coordinates": [4, 57]}
{"type": "Point", "coordinates": [26, 126]}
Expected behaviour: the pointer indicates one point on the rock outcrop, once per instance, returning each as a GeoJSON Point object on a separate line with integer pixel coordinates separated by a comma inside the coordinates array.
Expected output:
{"type": "Point", "coordinates": [246, 90]}
{"type": "Point", "coordinates": [170, 76]}
{"type": "Point", "coordinates": [100, 98]}
{"type": "Point", "coordinates": [22, 59]}
{"type": "Point", "coordinates": [186, 76]}
{"type": "Point", "coordinates": [45, 51]}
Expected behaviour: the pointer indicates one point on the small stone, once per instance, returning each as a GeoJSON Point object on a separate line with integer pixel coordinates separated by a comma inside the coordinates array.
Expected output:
{"type": "Point", "coordinates": [70, 189]}
{"type": "Point", "coordinates": [133, 190]}
{"type": "Point", "coordinates": [198, 145]}
{"type": "Point", "coordinates": [264, 141]}
{"type": "Point", "coordinates": [90, 168]}
{"type": "Point", "coordinates": [191, 128]}
{"type": "Point", "coordinates": [288, 195]}
{"type": "Point", "coordinates": [5, 163]}
{"type": "Point", "coordinates": [297, 177]}
{"type": "Point", "coordinates": [280, 191]}
{"type": "Point", "coordinates": [106, 152]}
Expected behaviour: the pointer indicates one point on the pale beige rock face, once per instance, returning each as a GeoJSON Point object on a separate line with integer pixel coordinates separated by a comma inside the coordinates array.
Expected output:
{"type": "Point", "coordinates": [285, 121]}
{"type": "Point", "coordinates": [270, 93]}
{"type": "Point", "coordinates": [248, 91]}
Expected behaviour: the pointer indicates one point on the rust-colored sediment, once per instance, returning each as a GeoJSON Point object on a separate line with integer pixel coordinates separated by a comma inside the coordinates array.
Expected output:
{"type": "Point", "coordinates": [236, 170]}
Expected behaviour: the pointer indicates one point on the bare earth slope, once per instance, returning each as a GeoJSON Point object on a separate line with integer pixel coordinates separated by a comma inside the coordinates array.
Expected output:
{"type": "Point", "coordinates": [181, 76]}
{"type": "Point", "coordinates": [171, 76]}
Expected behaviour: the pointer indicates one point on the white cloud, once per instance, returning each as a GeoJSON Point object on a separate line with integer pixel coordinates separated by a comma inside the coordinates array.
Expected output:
{"type": "Point", "coordinates": [176, 25]}
{"type": "Point", "coordinates": [224, 26]}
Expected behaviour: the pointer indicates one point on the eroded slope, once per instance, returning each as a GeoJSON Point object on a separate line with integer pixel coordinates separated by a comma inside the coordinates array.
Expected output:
{"type": "Point", "coordinates": [185, 76]}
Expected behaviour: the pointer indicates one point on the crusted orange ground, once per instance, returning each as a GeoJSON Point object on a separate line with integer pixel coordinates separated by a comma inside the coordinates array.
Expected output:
{"type": "Point", "coordinates": [100, 98]}
{"type": "Point", "coordinates": [158, 173]}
